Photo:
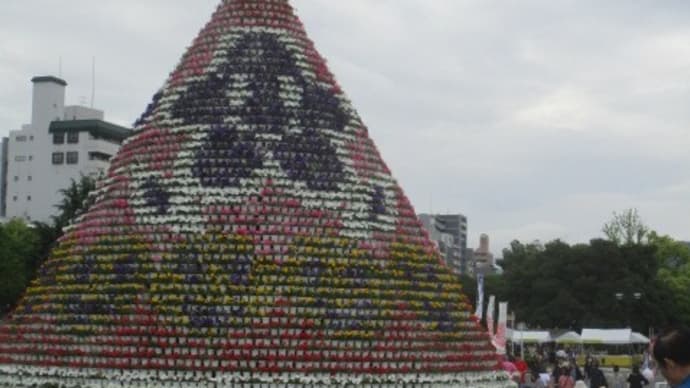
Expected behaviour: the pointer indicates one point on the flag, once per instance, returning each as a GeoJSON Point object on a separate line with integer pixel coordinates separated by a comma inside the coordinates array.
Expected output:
{"type": "Point", "coordinates": [500, 338]}
{"type": "Point", "coordinates": [490, 316]}
{"type": "Point", "coordinates": [480, 297]}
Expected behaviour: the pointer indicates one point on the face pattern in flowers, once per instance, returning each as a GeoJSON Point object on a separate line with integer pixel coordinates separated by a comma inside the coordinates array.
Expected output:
{"type": "Point", "coordinates": [259, 114]}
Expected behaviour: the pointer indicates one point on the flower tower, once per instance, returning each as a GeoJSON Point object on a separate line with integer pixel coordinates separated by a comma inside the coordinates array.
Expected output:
{"type": "Point", "coordinates": [248, 235]}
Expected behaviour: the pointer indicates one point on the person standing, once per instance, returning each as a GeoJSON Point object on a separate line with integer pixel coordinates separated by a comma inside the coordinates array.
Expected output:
{"type": "Point", "coordinates": [589, 360]}
{"type": "Point", "coordinates": [596, 376]}
{"type": "Point", "coordinates": [636, 379]}
{"type": "Point", "coordinates": [522, 367]}
{"type": "Point", "coordinates": [565, 378]}
{"type": "Point", "coordinates": [672, 355]}
{"type": "Point", "coordinates": [617, 380]}
{"type": "Point", "coordinates": [580, 384]}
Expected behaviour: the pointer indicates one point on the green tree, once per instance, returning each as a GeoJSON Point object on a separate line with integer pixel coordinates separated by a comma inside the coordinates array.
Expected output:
{"type": "Point", "coordinates": [23, 248]}
{"type": "Point", "coordinates": [18, 248]}
{"type": "Point", "coordinates": [562, 286]}
{"type": "Point", "coordinates": [626, 228]}
{"type": "Point", "coordinates": [520, 267]}
{"type": "Point", "coordinates": [73, 202]}
{"type": "Point", "coordinates": [673, 258]}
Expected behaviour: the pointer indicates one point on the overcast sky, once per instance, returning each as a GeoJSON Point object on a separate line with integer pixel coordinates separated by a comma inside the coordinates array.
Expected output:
{"type": "Point", "coordinates": [535, 119]}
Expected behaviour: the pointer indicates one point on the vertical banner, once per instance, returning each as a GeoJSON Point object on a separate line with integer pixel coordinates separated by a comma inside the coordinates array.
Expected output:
{"type": "Point", "coordinates": [480, 297]}
{"type": "Point", "coordinates": [490, 316]}
{"type": "Point", "coordinates": [500, 338]}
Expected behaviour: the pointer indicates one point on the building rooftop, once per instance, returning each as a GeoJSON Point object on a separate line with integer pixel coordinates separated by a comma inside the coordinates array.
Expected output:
{"type": "Point", "coordinates": [49, 78]}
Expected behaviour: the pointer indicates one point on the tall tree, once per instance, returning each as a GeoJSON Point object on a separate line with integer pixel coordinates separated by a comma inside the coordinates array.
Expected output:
{"type": "Point", "coordinates": [626, 228]}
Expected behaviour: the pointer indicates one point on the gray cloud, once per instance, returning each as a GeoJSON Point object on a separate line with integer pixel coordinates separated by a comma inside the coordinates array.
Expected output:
{"type": "Point", "coordinates": [536, 119]}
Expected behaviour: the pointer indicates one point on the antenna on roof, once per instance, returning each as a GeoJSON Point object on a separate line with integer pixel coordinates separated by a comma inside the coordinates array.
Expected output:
{"type": "Point", "coordinates": [93, 79]}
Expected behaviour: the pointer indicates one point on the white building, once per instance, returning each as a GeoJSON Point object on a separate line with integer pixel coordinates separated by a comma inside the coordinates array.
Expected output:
{"type": "Point", "coordinates": [61, 143]}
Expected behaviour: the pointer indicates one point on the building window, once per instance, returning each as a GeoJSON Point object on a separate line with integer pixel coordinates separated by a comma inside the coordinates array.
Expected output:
{"type": "Point", "coordinates": [14, 198]}
{"type": "Point", "coordinates": [28, 198]}
{"type": "Point", "coordinates": [29, 178]}
{"type": "Point", "coordinates": [72, 157]}
{"type": "Point", "coordinates": [16, 178]}
{"type": "Point", "coordinates": [58, 138]}
{"type": "Point", "coordinates": [21, 138]}
{"type": "Point", "coordinates": [31, 157]}
{"type": "Point", "coordinates": [19, 158]}
{"type": "Point", "coordinates": [96, 155]}
{"type": "Point", "coordinates": [58, 157]}
{"type": "Point", "coordinates": [73, 137]}
{"type": "Point", "coordinates": [31, 138]}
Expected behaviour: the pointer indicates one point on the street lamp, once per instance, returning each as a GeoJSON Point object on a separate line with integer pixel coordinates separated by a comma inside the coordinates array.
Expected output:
{"type": "Point", "coordinates": [620, 296]}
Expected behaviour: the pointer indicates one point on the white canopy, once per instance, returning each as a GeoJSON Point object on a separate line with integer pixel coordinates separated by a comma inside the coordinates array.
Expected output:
{"type": "Point", "coordinates": [528, 336]}
{"type": "Point", "coordinates": [569, 337]}
{"type": "Point", "coordinates": [637, 338]}
{"type": "Point", "coordinates": [607, 336]}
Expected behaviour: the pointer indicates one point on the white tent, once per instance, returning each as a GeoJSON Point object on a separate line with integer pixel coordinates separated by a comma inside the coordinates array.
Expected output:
{"type": "Point", "coordinates": [607, 336]}
{"type": "Point", "coordinates": [531, 336]}
{"type": "Point", "coordinates": [637, 338]}
{"type": "Point", "coordinates": [569, 337]}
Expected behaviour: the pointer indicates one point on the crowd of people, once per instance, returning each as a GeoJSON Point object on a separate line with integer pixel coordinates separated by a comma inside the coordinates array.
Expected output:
{"type": "Point", "coordinates": [563, 371]}
{"type": "Point", "coordinates": [548, 367]}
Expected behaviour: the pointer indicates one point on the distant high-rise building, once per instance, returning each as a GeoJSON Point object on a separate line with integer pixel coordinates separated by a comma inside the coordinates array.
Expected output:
{"type": "Point", "coordinates": [449, 231]}
{"type": "Point", "coordinates": [483, 258]}
{"type": "Point", "coordinates": [61, 143]}
{"type": "Point", "coordinates": [483, 243]}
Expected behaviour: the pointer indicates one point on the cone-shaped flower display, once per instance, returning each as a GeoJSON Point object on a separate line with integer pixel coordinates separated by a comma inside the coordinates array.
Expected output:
{"type": "Point", "coordinates": [247, 234]}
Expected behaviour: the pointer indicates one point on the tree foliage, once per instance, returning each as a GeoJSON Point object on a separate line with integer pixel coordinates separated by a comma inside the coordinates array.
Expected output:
{"type": "Point", "coordinates": [562, 286]}
{"type": "Point", "coordinates": [23, 248]}
{"type": "Point", "coordinates": [18, 249]}
{"type": "Point", "coordinates": [74, 200]}
{"type": "Point", "coordinates": [674, 271]}
{"type": "Point", "coordinates": [625, 228]}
